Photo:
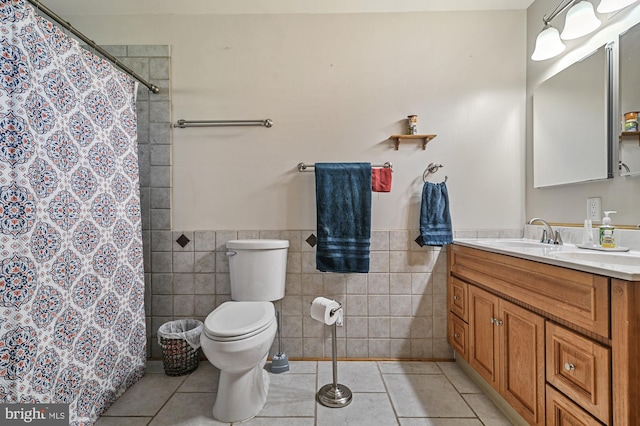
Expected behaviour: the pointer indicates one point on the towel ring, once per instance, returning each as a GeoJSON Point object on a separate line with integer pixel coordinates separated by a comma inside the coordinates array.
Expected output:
{"type": "Point", "coordinates": [431, 169]}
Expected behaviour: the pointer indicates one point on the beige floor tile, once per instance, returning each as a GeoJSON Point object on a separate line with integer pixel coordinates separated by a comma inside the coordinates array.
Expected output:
{"type": "Point", "coordinates": [298, 367]}
{"type": "Point", "coordinates": [425, 395]}
{"type": "Point", "coordinates": [366, 409]}
{"type": "Point", "coordinates": [408, 367]}
{"type": "Point", "coordinates": [155, 367]}
{"type": "Point", "coordinates": [486, 410]}
{"type": "Point", "coordinates": [461, 381]}
{"type": "Point", "coordinates": [420, 393]}
{"type": "Point", "coordinates": [290, 395]}
{"type": "Point", "coordinates": [357, 376]}
{"type": "Point", "coordinates": [204, 379]}
{"type": "Point", "coordinates": [146, 397]}
{"type": "Point", "coordinates": [123, 421]}
{"type": "Point", "coordinates": [187, 409]}
{"type": "Point", "coordinates": [280, 421]}
{"type": "Point", "coordinates": [438, 422]}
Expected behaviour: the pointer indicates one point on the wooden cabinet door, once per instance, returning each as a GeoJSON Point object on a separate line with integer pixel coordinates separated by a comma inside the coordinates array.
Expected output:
{"type": "Point", "coordinates": [483, 339]}
{"type": "Point", "coordinates": [522, 356]}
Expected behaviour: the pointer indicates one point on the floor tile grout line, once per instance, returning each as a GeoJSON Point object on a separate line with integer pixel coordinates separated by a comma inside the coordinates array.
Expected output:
{"type": "Point", "coordinates": [384, 383]}
{"type": "Point", "coordinates": [315, 405]}
{"type": "Point", "coordinates": [460, 393]}
{"type": "Point", "coordinates": [169, 398]}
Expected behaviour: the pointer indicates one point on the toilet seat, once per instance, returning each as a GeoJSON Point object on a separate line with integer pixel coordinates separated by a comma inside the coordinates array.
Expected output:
{"type": "Point", "coordinates": [233, 321]}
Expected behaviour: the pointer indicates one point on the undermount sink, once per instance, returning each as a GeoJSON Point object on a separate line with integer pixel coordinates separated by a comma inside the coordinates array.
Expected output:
{"type": "Point", "coordinates": [626, 259]}
{"type": "Point", "coordinates": [517, 243]}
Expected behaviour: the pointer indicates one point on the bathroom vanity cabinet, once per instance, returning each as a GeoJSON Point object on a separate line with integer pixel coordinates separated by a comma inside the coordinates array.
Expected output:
{"type": "Point", "coordinates": [560, 345]}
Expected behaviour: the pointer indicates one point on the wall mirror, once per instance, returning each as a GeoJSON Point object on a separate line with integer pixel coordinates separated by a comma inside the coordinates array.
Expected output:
{"type": "Point", "coordinates": [571, 134]}
{"type": "Point", "coordinates": [629, 84]}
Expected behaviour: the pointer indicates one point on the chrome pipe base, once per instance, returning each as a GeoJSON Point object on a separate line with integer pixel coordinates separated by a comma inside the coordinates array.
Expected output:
{"type": "Point", "coordinates": [334, 396]}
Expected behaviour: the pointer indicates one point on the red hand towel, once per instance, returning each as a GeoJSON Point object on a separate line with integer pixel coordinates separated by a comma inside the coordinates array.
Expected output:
{"type": "Point", "coordinates": [381, 179]}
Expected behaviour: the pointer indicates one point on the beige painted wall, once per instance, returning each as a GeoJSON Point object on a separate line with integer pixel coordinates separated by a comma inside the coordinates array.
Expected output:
{"type": "Point", "coordinates": [336, 86]}
{"type": "Point", "coordinates": [567, 203]}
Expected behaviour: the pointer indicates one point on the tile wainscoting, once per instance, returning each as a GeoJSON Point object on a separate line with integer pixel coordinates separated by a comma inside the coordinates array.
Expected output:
{"type": "Point", "coordinates": [397, 310]}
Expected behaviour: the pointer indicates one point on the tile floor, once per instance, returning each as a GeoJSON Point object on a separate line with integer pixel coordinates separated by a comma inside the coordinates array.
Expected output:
{"type": "Point", "coordinates": [384, 393]}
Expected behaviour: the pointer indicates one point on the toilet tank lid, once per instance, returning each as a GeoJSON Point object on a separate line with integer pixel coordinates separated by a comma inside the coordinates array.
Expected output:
{"type": "Point", "coordinates": [257, 244]}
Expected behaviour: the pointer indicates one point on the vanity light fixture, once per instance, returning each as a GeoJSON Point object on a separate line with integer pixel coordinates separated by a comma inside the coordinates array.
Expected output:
{"type": "Point", "coordinates": [580, 21]}
{"type": "Point", "coordinates": [548, 44]}
{"type": "Point", "coordinates": [608, 6]}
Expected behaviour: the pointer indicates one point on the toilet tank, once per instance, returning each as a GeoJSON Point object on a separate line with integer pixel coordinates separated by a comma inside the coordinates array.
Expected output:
{"type": "Point", "coordinates": [258, 269]}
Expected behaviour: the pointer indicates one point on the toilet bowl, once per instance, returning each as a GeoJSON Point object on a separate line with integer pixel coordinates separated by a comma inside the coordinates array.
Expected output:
{"type": "Point", "coordinates": [238, 334]}
{"type": "Point", "coordinates": [236, 339]}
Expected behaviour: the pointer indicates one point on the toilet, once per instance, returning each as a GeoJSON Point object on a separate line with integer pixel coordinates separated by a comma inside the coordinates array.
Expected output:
{"type": "Point", "coordinates": [238, 334]}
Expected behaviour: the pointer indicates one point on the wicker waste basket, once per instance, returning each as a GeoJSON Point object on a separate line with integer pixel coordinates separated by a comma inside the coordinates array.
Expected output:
{"type": "Point", "coordinates": [180, 343]}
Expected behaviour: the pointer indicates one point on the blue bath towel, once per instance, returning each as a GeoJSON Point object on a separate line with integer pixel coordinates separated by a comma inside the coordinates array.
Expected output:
{"type": "Point", "coordinates": [343, 203]}
{"type": "Point", "coordinates": [435, 219]}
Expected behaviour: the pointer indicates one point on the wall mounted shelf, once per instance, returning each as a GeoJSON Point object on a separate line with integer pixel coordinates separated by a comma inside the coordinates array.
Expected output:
{"type": "Point", "coordinates": [623, 134]}
{"type": "Point", "coordinates": [425, 139]}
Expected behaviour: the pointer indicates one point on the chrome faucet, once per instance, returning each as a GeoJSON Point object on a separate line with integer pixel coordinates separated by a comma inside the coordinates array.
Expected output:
{"type": "Point", "coordinates": [548, 235]}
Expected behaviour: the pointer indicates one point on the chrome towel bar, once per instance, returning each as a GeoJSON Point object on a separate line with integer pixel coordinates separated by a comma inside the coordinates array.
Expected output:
{"type": "Point", "coordinates": [222, 123]}
{"type": "Point", "coordinates": [302, 167]}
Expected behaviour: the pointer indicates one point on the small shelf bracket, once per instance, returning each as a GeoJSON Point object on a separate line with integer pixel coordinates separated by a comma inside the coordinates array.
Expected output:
{"type": "Point", "coordinates": [623, 134]}
{"type": "Point", "coordinates": [425, 139]}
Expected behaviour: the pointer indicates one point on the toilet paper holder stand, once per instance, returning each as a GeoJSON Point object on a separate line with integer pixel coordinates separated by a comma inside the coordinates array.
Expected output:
{"type": "Point", "coordinates": [334, 395]}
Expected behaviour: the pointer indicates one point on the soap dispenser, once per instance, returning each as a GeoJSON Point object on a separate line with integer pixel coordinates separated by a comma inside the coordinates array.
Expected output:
{"type": "Point", "coordinates": [607, 239]}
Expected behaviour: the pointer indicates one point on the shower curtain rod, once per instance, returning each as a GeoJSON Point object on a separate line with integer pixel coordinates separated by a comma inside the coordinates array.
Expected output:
{"type": "Point", "coordinates": [39, 6]}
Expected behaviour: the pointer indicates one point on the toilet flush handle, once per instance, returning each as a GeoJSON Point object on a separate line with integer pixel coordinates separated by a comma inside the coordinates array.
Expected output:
{"type": "Point", "coordinates": [230, 253]}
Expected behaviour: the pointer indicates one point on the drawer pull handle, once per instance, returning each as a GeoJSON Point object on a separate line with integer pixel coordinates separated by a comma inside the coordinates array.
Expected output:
{"type": "Point", "coordinates": [456, 297]}
{"type": "Point", "coordinates": [456, 335]}
{"type": "Point", "coordinates": [569, 367]}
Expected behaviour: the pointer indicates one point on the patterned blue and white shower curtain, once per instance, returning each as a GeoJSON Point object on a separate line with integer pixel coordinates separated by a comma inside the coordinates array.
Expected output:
{"type": "Point", "coordinates": [72, 326]}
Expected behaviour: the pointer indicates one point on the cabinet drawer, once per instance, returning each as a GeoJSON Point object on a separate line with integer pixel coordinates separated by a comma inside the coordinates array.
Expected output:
{"type": "Point", "coordinates": [561, 411]}
{"type": "Point", "coordinates": [580, 368]}
{"type": "Point", "coordinates": [458, 335]}
{"type": "Point", "coordinates": [457, 297]}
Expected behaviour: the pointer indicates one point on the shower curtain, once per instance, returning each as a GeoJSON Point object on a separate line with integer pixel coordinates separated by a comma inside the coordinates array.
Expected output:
{"type": "Point", "coordinates": [72, 326]}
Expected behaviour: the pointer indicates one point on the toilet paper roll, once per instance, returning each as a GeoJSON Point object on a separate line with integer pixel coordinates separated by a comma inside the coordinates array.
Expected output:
{"type": "Point", "coordinates": [321, 308]}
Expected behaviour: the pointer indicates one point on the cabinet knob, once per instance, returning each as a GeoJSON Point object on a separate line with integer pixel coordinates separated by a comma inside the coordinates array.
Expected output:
{"type": "Point", "coordinates": [499, 322]}
{"type": "Point", "coordinates": [492, 320]}
{"type": "Point", "coordinates": [569, 367]}
{"type": "Point", "coordinates": [456, 297]}
{"type": "Point", "coordinates": [456, 335]}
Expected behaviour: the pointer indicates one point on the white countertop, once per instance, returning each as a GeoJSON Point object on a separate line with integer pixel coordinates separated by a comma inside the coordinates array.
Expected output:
{"type": "Point", "coordinates": [544, 253]}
